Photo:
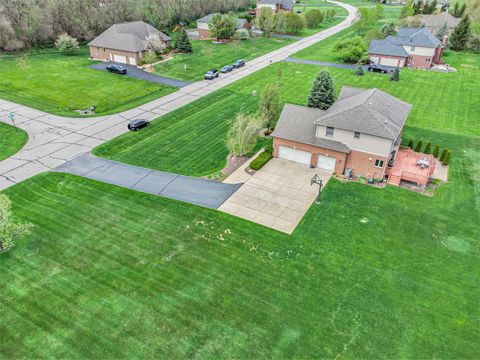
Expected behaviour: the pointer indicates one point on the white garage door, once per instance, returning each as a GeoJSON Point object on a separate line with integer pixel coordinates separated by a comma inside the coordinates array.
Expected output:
{"type": "Point", "coordinates": [120, 59]}
{"type": "Point", "coordinates": [326, 163]}
{"type": "Point", "coordinates": [132, 60]}
{"type": "Point", "coordinates": [298, 156]}
{"type": "Point", "coordinates": [388, 62]}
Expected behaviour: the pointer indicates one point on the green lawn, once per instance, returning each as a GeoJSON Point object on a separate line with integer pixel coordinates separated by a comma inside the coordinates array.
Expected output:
{"type": "Point", "coordinates": [190, 140]}
{"type": "Point", "coordinates": [61, 84]}
{"type": "Point", "coordinates": [11, 140]}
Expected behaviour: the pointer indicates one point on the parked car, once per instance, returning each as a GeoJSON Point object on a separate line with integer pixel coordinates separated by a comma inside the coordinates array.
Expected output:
{"type": "Point", "coordinates": [377, 68]}
{"type": "Point", "coordinates": [137, 124]}
{"type": "Point", "coordinates": [212, 74]}
{"type": "Point", "coordinates": [116, 69]}
{"type": "Point", "coordinates": [226, 69]}
{"type": "Point", "coordinates": [238, 64]}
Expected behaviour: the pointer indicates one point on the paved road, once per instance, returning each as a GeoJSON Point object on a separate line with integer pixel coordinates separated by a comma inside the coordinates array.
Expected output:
{"type": "Point", "coordinates": [54, 140]}
{"type": "Point", "coordinates": [188, 189]}
{"type": "Point", "coordinates": [137, 73]}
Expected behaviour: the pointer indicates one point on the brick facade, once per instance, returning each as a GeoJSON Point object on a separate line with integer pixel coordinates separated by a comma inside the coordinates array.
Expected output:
{"type": "Point", "coordinates": [363, 164]}
{"type": "Point", "coordinates": [107, 54]}
{"type": "Point", "coordinates": [204, 34]}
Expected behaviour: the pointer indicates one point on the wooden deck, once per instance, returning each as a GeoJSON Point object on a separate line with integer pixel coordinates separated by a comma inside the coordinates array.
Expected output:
{"type": "Point", "coordinates": [406, 168]}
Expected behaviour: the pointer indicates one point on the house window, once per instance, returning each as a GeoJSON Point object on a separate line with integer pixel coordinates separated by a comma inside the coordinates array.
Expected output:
{"type": "Point", "coordinates": [329, 132]}
{"type": "Point", "coordinates": [412, 48]}
{"type": "Point", "coordinates": [379, 163]}
{"type": "Point", "coordinates": [356, 135]}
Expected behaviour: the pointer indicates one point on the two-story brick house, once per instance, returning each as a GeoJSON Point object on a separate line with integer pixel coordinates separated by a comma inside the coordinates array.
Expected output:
{"type": "Point", "coordinates": [412, 47]}
{"type": "Point", "coordinates": [276, 5]}
{"type": "Point", "coordinates": [360, 131]}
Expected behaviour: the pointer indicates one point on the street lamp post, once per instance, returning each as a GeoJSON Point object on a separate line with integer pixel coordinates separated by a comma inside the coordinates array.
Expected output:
{"type": "Point", "coordinates": [11, 116]}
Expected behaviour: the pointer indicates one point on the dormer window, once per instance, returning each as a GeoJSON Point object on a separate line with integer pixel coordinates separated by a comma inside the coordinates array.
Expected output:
{"type": "Point", "coordinates": [356, 135]}
{"type": "Point", "coordinates": [329, 131]}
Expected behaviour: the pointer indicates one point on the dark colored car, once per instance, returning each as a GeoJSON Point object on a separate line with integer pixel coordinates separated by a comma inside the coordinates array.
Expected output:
{"type": "Point", "coordinates": [137, 124]}
{"type": "Point", "coordinates": [116, 69]}
{"type": "Point", "coordinates": [238, 64]}
{"type": "Point", "coordinates": [226, 69]}
{"type": "Point", "coordinates": [377, 68]}
{"type": "Point", "coordinates": [212, 74]}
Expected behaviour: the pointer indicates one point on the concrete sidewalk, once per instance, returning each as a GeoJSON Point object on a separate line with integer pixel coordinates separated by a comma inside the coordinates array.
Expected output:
{"type": "Point", "coordinates": [184, 188]}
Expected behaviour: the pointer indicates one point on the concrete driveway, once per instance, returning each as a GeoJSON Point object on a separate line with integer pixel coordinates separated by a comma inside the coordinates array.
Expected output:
{"type": "Point", "coordinates": [277, 196]}
{"type": "Point", "coordinates": [184, 188]}
{"type": "Point", "coordinates": [134, 72]}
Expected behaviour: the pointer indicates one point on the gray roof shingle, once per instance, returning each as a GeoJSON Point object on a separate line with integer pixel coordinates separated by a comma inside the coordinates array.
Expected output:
{"type": "Point", "coordinates": [285, 4]}
{"type": "Point", "coordinates": [297, 123]}
{"type": "Point", "coordinates": [131, 36]}
{"type": "Point", "coordinates": [385, 47]}
{"type": "Point", "coordinates": [372, 112]}
{"type": "Point", "coordinates": [414, 36]}
{"type": "Point", "coordinates": [437, 20]}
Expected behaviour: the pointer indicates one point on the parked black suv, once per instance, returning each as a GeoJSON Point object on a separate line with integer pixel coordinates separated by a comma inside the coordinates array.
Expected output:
{"type": "Point", "coordinates": [212, 74]}
{"type": "Point", "coordinates": [238, 64]}
{"type": "Point", "coordinates": [226, 69]}
{"type": "Point", "coordinates": [116, 69]}
{"type": "Point", "coordinates": [137, 124]}
{"type": "Point", "coordinates": [377, 68]}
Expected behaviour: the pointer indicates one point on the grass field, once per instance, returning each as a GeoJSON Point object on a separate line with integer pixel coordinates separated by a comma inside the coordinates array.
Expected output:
{"type": "Point", "coordinates": [190, 140]}
{"type": "Point", "coordinates": [11, 140]}
{"type": "Point", "coordinates": [61, 84]}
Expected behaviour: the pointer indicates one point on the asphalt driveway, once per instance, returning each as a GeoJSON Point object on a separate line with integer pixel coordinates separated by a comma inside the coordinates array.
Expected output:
{"type": "Point", "coordinates": [137, 73]}
{"type": "Point", "coordinates": [188, 189]}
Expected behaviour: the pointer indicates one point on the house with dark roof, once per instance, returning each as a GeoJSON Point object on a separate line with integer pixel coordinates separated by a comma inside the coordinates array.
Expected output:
{"type": "Point", "coordinates": [125, 43]}
{"type": "Point", "coordinates": [204, 30]}
{"type": "Point", "coordinates": [361, 131]}
{"type": "Point", "coordinates": [435, 22]}
{"type": "Point", "coordinates": [276, 5]}
{"type": "Point", "coordinates": [413, 47]}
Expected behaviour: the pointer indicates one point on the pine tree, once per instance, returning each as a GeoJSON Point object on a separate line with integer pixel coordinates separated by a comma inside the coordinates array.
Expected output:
{"type": "Point", "coordinates": [461, 35]}
{"type": "Point", "coordinates": [455, 10]}
{"type": "Point", "coordinates": [461, 11]}
{"type": "Point", "coordinates": [428, 147]}
{"type": "Point", "coordinates": [441, 32]}
{"type": "Point", "coordinates": [182, 42]}
{"type": "Point", "coordinates": [419, 146]}
{"type": "Point", "coordinates": [436, 151]}
{"type": "Point", "coordinates": [396, 75]}
{"type": "Point", "coordinates": [322, 95]}
{"type": "Point", "coordinates": [442, 156]}
{"type": "Point", "coordinates": [410, 144]}
{"type": "Point", "coordinates": [359, 71]}
{"type": "Point", "coordinates": [446, 160]}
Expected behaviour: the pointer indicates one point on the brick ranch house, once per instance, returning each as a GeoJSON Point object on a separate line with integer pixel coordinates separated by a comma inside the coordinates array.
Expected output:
{"type": "Point", "coordinates": [361, 131]}
{"type": "Point", "coordinates": [125, 43]}
{"type": "Point", "coordinates": [276, 5]}
{"type": "Point", "coordinates": [412, 47]}
{"type": "Point", "coordinates": [204, 30]}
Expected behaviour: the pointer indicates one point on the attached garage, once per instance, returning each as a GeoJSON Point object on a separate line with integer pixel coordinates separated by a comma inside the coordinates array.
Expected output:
{"type": "Point", "coordinates": [392, 62]}
{"type": "Point", "coordinates": [295, 155]}
{"type": "Point", "coordinates": [120, 58]}
{"type": "Point", "coordinates": [326, 163]}
{"type": "Point", "coordinates": [132, 60]}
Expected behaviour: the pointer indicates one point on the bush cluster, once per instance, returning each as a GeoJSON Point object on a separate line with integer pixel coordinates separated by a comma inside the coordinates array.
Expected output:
{"type": "Point", "coordinates": [261, 160]}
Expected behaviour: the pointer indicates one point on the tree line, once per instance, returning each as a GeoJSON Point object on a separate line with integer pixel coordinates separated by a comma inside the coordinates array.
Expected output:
{"type": "Point", "coordinates": [38, 23]}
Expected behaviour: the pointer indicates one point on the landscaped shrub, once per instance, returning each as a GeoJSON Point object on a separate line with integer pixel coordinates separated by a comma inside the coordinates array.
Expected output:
{"type": "Point", "coordinates": [359, 71]}
{"type": "Point", "coordinates": [151, 58]}
{"type": "Point", "coordinates": [351, 50]}
{"type": "Point", "coordinates": [396, 75]}
{"type": "Point", "coordinates": [410, 144]}
{"type": "Point", "coordinates": [313, 18]}
{"type": "Point", "coordinates": [446, 160]}
{"type": "Point", "coordinates": [427, 148]}
{"type": "Point", "coordinates": [260, 161]}
{"type": "Point", "coordinates": [66, 44]}
{"type": "Point", "coordinates": [436, 151]}
{"type": "Point", "coordinates": [242, 34]}
{"type": "Point", "coordinates": [444, 153]}
{"type": "Point", "coordinates": [294, 23]}
{"type": "Point", "coordinates": [419, 146]}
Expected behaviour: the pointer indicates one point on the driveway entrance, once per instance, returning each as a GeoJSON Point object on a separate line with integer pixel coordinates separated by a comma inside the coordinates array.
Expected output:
{"type": "Point", "coordinates": [277, 196]}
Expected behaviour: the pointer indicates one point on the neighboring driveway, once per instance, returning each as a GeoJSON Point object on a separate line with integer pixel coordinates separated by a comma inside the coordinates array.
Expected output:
{"type": "Point", "coordinates": [137, 73]}
{"type": "Point", "coordinates": [192, 190]}
{"type": "Point", "coordinates": [277, 196]}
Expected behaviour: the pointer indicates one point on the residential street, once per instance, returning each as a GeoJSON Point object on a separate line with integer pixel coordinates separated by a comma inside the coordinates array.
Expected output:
{"type": "Point", "coordinates": [55, 140]}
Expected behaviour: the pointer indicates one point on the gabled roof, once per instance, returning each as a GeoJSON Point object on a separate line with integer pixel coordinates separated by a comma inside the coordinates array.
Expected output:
{"type": "Point", "coordinates": [438, 20]}
{"type": "Point", "coordinates": [297, 123]}
{"type": "Point", "coordinates": [414, 37]}
{"type": "Point", "coordinates": [385, 47]}
{"type": "Point", "coordinates": [131, 36]}
{"type": "Point", "coordinates": [208, 19]}
{"type": "Point", "coordinates": [372, 112]}
{"type": "Point", "coordinates": [285, 4]}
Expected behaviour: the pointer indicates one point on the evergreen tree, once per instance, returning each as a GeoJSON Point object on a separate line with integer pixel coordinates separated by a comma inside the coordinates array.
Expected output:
{"type": "Point", "coordinates": [461, 35]}
{"type": "Point", "coordinates": [182, 42]}
{"type": "Point", "coordinates": [461, 11]}
{"type": "Point", "coordinates": [410, 144]}
{"type": "Point", "coordinates": [396, 75]}
{"type": "Point", "coordinates": [455, 10]}
{"type": "Point", "coordinates": [436, 151]}
{"type": "Point", "coordinates": [388, 29]}
{"type": "Point", "coordinates": [442, 156]}
{"type": "Point", "coordinates": [419, 146]}
{"type": "Point", "coordinates": [441, 32]}
{"type": "Point", "coordinates": [359, 71]}
{"type": "Point", "coordinates": [428, 147]}
{"type": "Point", "coordinates": [446, 159]}
{"type": "Point", "coordinates": [322, 95]}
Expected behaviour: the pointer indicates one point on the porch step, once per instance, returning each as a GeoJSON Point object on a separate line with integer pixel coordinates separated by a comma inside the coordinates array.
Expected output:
{"type": "Point", "coordinates": [394, 180]}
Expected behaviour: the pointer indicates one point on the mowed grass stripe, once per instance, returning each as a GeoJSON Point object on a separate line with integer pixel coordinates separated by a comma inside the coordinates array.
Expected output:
{"type": "Point", "coordinates": [11, 140]}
